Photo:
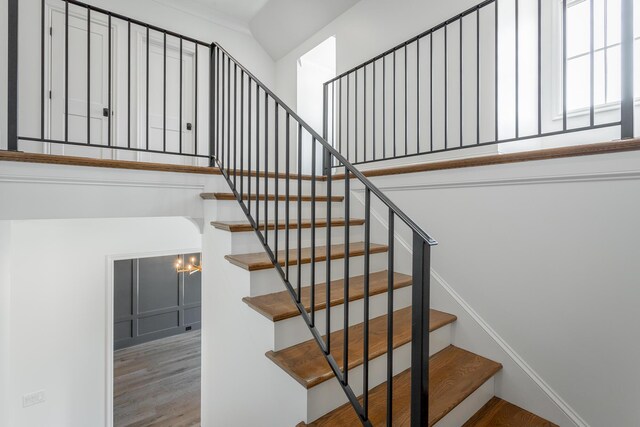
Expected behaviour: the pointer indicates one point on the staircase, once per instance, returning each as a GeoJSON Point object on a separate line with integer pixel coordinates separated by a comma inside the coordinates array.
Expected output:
{"type": "Point", "coordinates": [461, 383]}
{"type": "Point", "coordinates": [345, 321]}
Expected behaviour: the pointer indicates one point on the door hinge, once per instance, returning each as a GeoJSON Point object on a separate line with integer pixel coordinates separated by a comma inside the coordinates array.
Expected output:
{"type": "Point", "coordinates": [50, 31]}
{"type": "Point", "coordinates": [50, 95]}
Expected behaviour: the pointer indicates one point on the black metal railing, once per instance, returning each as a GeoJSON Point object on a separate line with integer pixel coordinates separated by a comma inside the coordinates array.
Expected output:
{"type": "Point", "coordinates": [440, 90]}
{"type": "Point", "coordinates": [247, 142]}
{"type": "Point", "coordinates": [252, 149]}
{"type": "Point", "coordinates": [93, 16]}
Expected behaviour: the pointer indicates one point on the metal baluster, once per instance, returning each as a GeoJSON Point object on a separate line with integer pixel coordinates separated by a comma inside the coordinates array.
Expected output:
{"type": "Point", "coordinates": [367, 239]}
{"type": "Point", "coordinates": [164, 95]}
{"type": "Point", "coordinates": [431, 91]}
{"type": "Point", "coordinates": [340, 117]}
{"type": "Point", "coordinates": [88, 74]}
{"type": "Point", "coordinates": [461, 83]}
{"type": "Point", "coordinates": [12, 74]}
{"type": "Point", "coordinates": [42, 60]}
{"type": "Point", "coordinates": [517, 53]}
{"type": "Point", "coordinates": [496, 70]}
{"type": "Point", "coordinates": [265, 174]}
{"type": "Point", "coordinates": [129, 83]}
{"type": "Point", "coordinates": [406, 101]}
{"type": "Point", "coordinates": [446, 87]}
{"type": "Point", "coordinates": [195, 100]}
{"type": "Point", "coordinates": [373, 106]}
{"type": "Point", "coordinates": [355, 123]}
{"type": "Point", "coordinates": [420, 331]}
{"type": "Point", "coordinates": [364, 115]}
{"type": "Point", "coordinates": [287, 199]}
{"type": "Point", "coordinates": [299, 248]}
{"type": "Point", "coordinates": [394, 104]}
{"type": "Point", "coordinates": [564, 64]}
{"type": "Point", "coordinates": [249, 144]}
{"type": "Point", "coordinates": [348, 118]}
{"type": "Point", "coordinates": [228, 165]}
{"type": "Point", "coordinates": [390, 294]}
{"type": "Point", "coordinates": [147, 91]}
{"type": "Point", "coordinates": [384, 107]}
{"type": "Point", "coordinates": [276, 161]}
{"type": "Point", "coordinates": [418, 96]}
{"type": "Point", "coordinates": [235, 123]}
{"type": "Point", "coordinates": [212, 105]}
{"type": "Point", "coordinates": [328, 258]}
{"type": "Point", "coordinates": [478, 76]}
{"type": "Point", "coordinates": [180, 106]}
{"type": "Point", "coordinates": [347, 214]}
{"type": "Point", "coordinates": [241, 135]}
{"type": "Point", "coordinates": [313, 231]}
{"type": "Point", "coordinates": [257, 217]}
{"type": "Point", "coordinates": [66, 71]}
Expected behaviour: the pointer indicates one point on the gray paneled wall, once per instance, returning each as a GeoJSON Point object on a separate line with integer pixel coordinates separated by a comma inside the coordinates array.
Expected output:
{"type": "Point", "coordinates": [152, 301]}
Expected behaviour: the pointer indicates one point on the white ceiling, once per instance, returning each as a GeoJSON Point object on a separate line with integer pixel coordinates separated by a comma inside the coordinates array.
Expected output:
{"type": "Point", "coordinates": [241, 10]}
{"type": "Point", "coordinates": [281, 25]}
{"type": "Point", "coordinates": [278, 25]}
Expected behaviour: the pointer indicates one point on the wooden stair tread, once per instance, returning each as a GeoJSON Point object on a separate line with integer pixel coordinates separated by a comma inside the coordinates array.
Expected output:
{"type": "Point", "coordinates": [307, 365]}
{"type": "Point", "coordinates": [261, 261]}
{"type": "Point", "coordinates": [243, 226]}
{"type": "Point", "coordinates": [281, 197]}
{"type": "Point", "coordinates": [498, 412]}
{"type": "Point", "coordinates": [279, 306]}
{"type": "Point", "coordinates": [454, 374]}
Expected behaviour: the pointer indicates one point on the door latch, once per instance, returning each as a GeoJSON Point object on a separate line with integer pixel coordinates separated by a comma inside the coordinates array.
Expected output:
{"type": "Point", "coordinates": [105, 112]}
{"type": "Point", "coordinates": [189, 126]}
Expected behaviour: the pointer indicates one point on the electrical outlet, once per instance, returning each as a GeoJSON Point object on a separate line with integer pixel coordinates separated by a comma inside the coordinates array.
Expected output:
{"type": "Point", "coordinates": [34, 398]}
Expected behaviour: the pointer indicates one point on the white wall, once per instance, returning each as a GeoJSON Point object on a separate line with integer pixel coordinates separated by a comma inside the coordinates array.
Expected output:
{"type": "Point", "coordinates": [545, 253]}
{"type": "Point", "coordinates": [238, 42]}
{"type": "Point", "coordinates": [59, 307]}
{"type": "Point", "coordinates": [5, 329]}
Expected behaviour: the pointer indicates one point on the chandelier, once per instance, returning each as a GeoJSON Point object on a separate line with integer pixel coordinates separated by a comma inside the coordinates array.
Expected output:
{"type": "Point", "coordinates": [190, 268]}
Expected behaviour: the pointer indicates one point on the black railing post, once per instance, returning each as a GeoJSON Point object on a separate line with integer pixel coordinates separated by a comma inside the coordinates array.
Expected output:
{"type": "Point", "coordinates": [420, 332]}
{"type": "Point", "coordinates": [626, 80]}
{"type": "Point", "coordinates": [12, 74]}
{"type": "Point", "coordinates": [212, 104]}
{"type": "Point", "coordinates": [326, 166]}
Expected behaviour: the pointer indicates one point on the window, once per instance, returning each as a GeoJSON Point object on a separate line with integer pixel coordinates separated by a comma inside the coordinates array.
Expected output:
{"type": "Point", "coordinates": [606, 59]}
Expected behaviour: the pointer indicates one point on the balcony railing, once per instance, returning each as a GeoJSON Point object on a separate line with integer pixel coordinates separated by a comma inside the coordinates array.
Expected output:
{"type": "Point", "coordinates": [501, 71]}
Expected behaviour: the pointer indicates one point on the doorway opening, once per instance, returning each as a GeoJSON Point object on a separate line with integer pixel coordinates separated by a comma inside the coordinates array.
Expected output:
{"type": "Point", "coordinates": [314, 68]}
{"type": "Point", "coordinates": [156, 341]}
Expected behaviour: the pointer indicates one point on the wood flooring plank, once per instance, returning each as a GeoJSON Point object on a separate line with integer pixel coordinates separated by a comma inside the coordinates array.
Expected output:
{"type": "Point", "coordinates": [271, 197]}
{"type": "Point", "coordinates": [453, 375]}
{"type": "Point", "coordinates": [158, 383]}
{"type": "Point", "coordinates": [261, 261]}
{"type": "Point", "coordinates": [307, 365]}
{"type": "Point", "coordinates": [243, 226]}
{"type": "Point", "coordinates": [498, 412]}
{"type": "Point", "coordinates": [279, 306]}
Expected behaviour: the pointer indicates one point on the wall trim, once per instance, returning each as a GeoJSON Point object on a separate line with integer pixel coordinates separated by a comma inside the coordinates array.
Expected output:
{"type": "Point", "coordinates": [24, 179]}
{"type": "Point", "coordinates": [110, 260]}
{"type": "Point", "coordinates": [550, 179]}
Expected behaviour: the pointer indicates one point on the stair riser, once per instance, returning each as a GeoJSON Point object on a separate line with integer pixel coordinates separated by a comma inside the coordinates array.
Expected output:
{"type": "Point", "coordinates": [269, 281]}
{"type": "Point", "coordinates": [229, 208]}
{"type": "Point", "coordinates": [328, 395]}
{"type": "Point", "coordinates": [248, 242]}
{"type": "Point", "coordinates": [293, 186]}
{"type": "Point", "coordinates": [292, 331]}
{"type": "Point", "coordinates": [468, 407]}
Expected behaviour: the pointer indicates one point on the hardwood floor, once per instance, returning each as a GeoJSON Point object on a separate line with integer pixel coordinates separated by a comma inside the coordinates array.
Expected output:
{"type": "Point", "coordinates": [158, 383]}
